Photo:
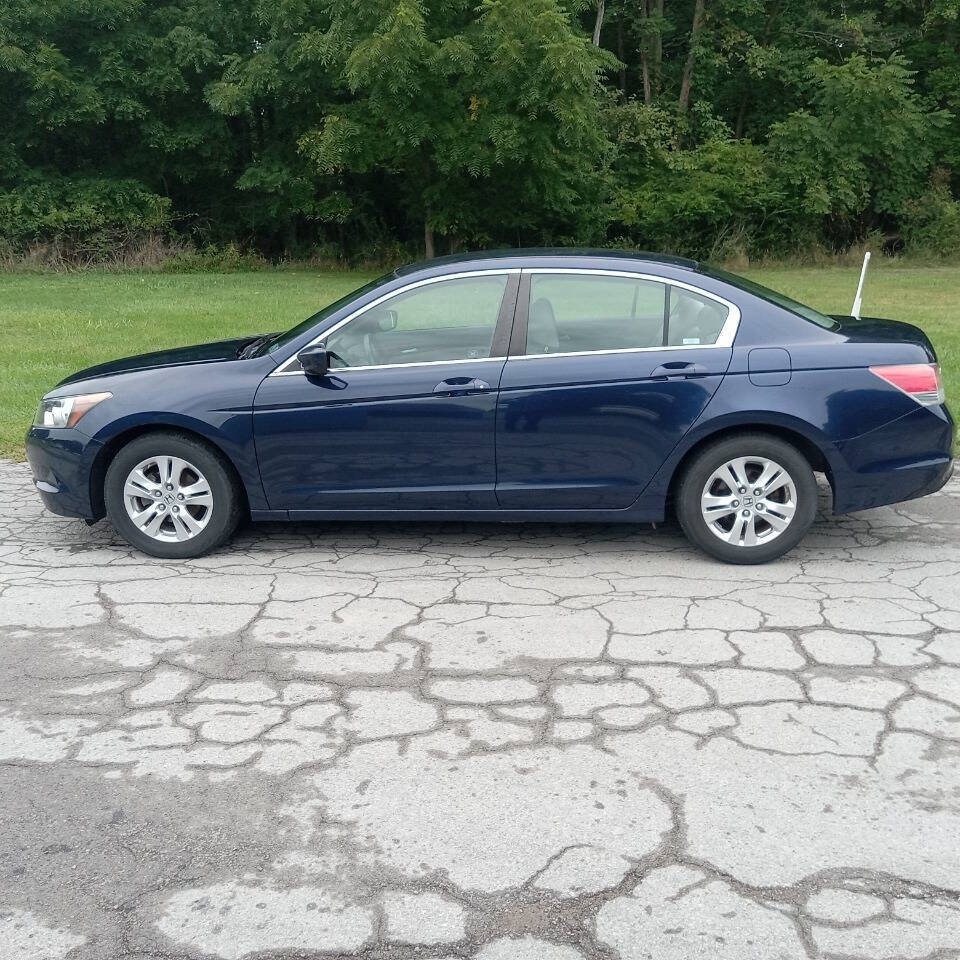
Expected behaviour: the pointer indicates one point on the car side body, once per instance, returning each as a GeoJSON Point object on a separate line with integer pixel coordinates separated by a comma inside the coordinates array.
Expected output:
{"type": "Point", "coordinates": [559, 434]}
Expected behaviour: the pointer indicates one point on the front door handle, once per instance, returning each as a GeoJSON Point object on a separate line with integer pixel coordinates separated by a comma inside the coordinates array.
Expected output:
{"type": "Point", "coordinates": [679, 369]}
{"type": "Point", "coordinates": [458, 386]}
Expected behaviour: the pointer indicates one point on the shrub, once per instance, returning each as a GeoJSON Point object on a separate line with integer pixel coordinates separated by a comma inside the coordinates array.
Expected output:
{"type": "Point", "coordinates": [216, 259]}
{"type": "Point", "coordinates": [88, 211]}
{"type": "Point", "coordinates": [931, 222]}
{"type": "Point", "coordinates": [710, 202]}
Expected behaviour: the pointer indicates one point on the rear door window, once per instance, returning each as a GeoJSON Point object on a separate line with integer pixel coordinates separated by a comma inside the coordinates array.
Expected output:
{"type": "Point", "coordinates": [574, 313]}
{"type": "Point", "coordinates": [586, 313]}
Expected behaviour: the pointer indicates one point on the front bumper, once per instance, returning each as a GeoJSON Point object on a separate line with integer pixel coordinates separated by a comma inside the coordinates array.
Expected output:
{"type": "Point", "coordinates": [62, 463]}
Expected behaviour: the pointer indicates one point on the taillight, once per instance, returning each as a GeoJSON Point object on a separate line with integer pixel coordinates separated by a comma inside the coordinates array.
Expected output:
{"type": "Point", "coordinates": [918, 380]}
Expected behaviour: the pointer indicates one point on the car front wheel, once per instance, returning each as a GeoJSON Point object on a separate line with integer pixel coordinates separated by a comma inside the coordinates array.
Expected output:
{"type": "Point", "coordinates": [747, 499]}
{"type": "Point", "coordinates": [171, 496]}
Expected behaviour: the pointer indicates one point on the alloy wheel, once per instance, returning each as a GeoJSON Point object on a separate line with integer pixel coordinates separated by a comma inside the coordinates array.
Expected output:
{"type": "Point", "coordinates": [168, 498]}
{"type": "Point", "coordinates": [748, 501]}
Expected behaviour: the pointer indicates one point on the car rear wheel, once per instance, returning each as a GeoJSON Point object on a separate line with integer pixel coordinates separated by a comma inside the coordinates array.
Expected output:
{"type": "Point", "coordinates": [171, 496]}
{"type": "Point", "coordinates": [747, 499]}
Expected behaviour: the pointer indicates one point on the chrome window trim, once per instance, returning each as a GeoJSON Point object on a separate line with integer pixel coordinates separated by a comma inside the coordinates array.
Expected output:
{"type": "Point", "coordinates": [724, 341]}
{"type": "Point", "coordinates": [282, 371]}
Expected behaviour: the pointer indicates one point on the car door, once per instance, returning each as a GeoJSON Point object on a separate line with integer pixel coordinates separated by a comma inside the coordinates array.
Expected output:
{"type": "Point", "coordinates": [405, 417]}
{"type": "Point", "coordinates": [607, 371]}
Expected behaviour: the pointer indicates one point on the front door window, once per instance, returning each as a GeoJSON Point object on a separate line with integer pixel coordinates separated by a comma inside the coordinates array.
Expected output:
{"type": "Point", "coordinates": [437, 322]}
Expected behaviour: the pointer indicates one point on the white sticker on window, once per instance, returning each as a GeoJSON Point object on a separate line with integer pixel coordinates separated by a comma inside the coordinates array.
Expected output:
{"type": "Point", "coordinates": [690, 341]}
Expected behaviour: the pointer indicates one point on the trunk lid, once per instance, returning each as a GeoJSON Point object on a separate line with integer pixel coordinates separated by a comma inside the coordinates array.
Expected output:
{"type": "Point", "coordinates": [879, 330]}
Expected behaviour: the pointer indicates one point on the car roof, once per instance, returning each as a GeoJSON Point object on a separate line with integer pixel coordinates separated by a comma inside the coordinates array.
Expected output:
{"type": "Point", "coordinates": [542, 256]}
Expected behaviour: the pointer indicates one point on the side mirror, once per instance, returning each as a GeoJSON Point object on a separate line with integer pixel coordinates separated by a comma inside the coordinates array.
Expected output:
{"type": "Point", "coordinates": [387, 321]}
{"type": "Point", "coordinates": [315, 360]}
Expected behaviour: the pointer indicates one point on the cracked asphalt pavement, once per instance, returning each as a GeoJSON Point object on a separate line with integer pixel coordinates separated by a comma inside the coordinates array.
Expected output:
{"type": "Point", "coordinates": [492, 742]}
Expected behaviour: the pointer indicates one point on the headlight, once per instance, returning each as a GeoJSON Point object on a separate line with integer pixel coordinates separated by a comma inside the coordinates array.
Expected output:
{"type": "Point", "coordinates": [66, 411]}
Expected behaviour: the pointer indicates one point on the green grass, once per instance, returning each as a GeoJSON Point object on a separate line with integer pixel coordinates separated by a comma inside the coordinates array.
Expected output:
{"type": "Point", "coordinates": [54, 324]}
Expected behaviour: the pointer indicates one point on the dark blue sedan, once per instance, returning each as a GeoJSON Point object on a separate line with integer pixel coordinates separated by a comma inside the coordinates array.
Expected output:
{"type": "Point", "coordinates": [528, 385]}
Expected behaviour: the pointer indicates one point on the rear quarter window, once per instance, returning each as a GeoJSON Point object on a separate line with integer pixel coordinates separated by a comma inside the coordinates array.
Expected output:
{"type": "Point", "coordinates": [695, 320]}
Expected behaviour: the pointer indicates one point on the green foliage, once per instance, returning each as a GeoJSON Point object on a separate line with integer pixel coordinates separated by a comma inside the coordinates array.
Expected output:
{"type": "Point", "coordinates": [864, 146]}
{"type": "Point", "coordinates": [339, 128]}
{"type": "Point", "coordinates": [690, 201]}
{"type": "Point", "coordinates": [931, 222]}
{"type": "Point", "coordinates": [479, 117]}
{"type": "Point", "coordinates": [215, 258]}
{"type": "Point", "coordinates": [40, 205]}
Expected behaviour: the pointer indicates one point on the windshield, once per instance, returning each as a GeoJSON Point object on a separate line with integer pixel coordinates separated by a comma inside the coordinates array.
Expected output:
{"type": "Point", "coordinates": [780, 299]}
{"type": "Point", "coordinates": [304, 325]}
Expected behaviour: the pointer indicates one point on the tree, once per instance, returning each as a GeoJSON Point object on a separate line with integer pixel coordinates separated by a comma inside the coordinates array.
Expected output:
{"type": "Point", "coordinates": [865, 146]}
{"type": "Point", "coordinates": [484, 122]}
{"type": "Point", "coordinates": [376, 128]}
{"type": "Point", "coordinates": [103, 112]}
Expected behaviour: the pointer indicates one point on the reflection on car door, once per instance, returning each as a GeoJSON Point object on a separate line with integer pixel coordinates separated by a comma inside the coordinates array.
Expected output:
{"type": "Point", "coordinates": [606, 374]}
{"type": "Point", "coordinates": [405, 418]}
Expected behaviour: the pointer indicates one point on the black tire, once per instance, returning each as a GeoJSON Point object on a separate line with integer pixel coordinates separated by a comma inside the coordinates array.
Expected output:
{"type": "Point", "coordinates": [226, 510]}
{"type": "Point", "coordinates": [714, 456]}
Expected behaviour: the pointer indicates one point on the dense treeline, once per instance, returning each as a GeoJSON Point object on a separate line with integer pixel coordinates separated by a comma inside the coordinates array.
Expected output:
{"type": "Point", "coordinates": [345, 128]}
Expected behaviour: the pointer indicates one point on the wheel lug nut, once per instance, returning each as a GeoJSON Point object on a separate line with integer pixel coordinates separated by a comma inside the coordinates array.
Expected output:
{"type": "Point", "coordinates": [176, 509]}
{"type": "Point", "coordinates": [746, 513]}
{"type": "Point", "coordinates": [742, 490]}
{"type": "Point", "coordinates": [179, 496]}
{"type": "Point", "coordinates": [757, 492]}
{"type": "Point", "coordinates": [156, 493]}
{"type": "Point", "coordinates": [161, 508]}
{"type": "Point", "coordinates": [736, 503]}
{"type": "Point", "coordinates": [759, 506]}
{"type": "Point", "coordinates": [169, 486]}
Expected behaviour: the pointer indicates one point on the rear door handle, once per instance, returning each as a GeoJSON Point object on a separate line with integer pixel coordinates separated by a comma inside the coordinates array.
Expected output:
{"type": "Point", "coordinates": [458, 386]}
{"type": "Point", "coordinates": [679, 369]}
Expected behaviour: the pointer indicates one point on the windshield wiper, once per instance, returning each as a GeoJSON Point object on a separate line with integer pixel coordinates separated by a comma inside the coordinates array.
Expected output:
{"type": "Point", "coordinates": [249, 349]}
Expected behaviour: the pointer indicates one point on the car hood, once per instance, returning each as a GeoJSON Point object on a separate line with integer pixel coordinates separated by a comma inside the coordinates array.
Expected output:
{"type": "Point", "coordinates": [177, 356]}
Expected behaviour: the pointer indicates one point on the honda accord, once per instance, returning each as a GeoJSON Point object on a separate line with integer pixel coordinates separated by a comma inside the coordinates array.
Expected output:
{"type": "Point", "coordinates": [520, 386]}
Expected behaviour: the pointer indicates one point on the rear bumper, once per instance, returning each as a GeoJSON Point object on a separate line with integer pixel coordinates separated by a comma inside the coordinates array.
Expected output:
{"type": "Point", "coordinates": [907, 458]}
{"type": "Point", "coordinates": [62, 462]}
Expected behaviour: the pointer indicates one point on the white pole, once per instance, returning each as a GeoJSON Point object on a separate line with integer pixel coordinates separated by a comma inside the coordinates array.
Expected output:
{"type": "Point", "coordinates": [855, 312]}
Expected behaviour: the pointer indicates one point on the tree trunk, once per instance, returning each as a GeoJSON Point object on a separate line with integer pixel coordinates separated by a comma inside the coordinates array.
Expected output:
{"type": "Point", "coordinates": [598, 23]}
{"type": "Point", "coordinates": [686, 84]}
{"type": "Point", "coordinates": [644, 52]}
{"type": "Point", "coordinates": [656, 54]}
{"type": "Point", "coordinates": [741, 115]}
{"type": "Point", "coordinates": [428, 237]}
{"type": "Point", "coordinates": [621, 55]}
